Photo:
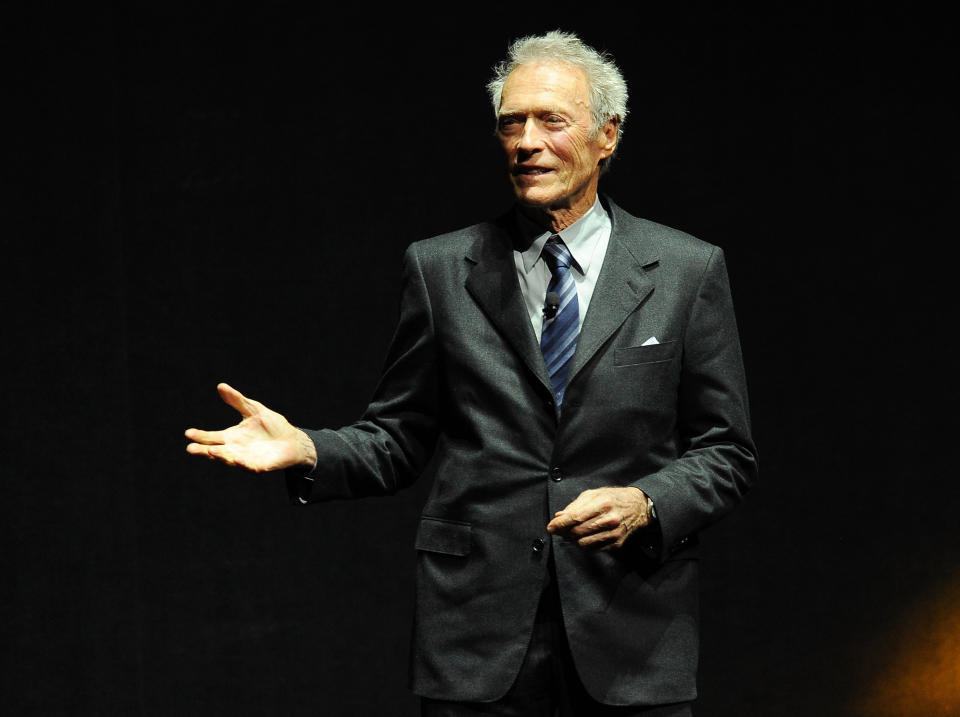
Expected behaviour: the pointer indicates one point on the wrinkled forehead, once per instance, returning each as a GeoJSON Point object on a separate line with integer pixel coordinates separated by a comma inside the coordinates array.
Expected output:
{"type": "Point", "coordinates": [545, 86]}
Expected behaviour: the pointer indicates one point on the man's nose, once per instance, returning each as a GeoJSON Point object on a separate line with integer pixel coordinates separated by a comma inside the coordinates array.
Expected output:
{"type": "Point", "coordinates": [531, 138]}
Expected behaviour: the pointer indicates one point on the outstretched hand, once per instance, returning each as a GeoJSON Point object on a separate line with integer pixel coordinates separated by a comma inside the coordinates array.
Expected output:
{"type": "Point", "coordinates": [603, 517]}
{"type": "Point", "coordinates": [263, 440]}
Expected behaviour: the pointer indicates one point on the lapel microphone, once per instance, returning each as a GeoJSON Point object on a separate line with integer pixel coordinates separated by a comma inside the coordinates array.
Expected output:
{"type": "Point", "coordinates": [552, 303]}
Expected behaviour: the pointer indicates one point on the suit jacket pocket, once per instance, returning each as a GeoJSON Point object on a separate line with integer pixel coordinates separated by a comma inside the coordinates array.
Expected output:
{"type": "Point", "coordinates": [438, 535]}
{"type": "Point", "coordinates": [632, 355]}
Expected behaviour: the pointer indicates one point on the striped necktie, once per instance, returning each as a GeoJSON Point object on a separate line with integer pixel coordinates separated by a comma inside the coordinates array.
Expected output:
{"type": "Point", "coordinates": [558, 340]}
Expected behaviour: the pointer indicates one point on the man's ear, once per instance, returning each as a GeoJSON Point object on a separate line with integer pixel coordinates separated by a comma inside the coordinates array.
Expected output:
{"type": "Point", "coordinates": [608, 137]}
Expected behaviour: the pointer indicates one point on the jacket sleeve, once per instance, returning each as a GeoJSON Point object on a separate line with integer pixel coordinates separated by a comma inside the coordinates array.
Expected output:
{"type": "Point", "coordinates": [387, 448]}
{"type": "Point", "coordinates": [718, 459]}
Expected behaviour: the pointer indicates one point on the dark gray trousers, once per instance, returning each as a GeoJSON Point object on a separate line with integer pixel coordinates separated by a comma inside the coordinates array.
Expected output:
{"type": "Point", "coordinates": [547, 684]}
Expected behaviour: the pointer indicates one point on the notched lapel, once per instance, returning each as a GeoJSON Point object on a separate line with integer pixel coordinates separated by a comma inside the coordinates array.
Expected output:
{"type": "Point", "coordinates": [626, 280]}
{"type": "Point", "coordinates": [493, 284]}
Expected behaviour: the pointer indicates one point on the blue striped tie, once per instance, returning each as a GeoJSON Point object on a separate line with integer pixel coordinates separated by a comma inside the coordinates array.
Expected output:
{"type": "Point", "coordinates": [558, 339]}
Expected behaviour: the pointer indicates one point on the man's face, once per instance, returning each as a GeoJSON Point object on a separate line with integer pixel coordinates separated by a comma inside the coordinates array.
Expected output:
{"type": "Point", "coordinates": [546, 130]}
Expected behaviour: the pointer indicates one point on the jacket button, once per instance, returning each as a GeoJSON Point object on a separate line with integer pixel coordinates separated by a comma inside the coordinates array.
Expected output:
{"type": "Point", "coordinates": [555, 474]}
{"type": "Point", "coordinates": [538, 545]}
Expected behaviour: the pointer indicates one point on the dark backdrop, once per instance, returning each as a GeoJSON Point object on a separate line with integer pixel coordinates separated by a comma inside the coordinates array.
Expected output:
{"type": "Point", "coordinates": [203, 193]}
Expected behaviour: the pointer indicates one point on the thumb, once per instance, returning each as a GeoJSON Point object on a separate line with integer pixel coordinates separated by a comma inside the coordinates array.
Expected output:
{"type": "Point", "coordinates": [236, 400]}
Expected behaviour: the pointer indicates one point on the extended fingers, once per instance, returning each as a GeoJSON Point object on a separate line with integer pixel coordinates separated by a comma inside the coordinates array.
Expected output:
{"type": "Point", "coordinates": [199, 449]}
{"type": "Point", "coordinates": [213, 452]}
{"type": "Point", "coordinates": [206, 437]}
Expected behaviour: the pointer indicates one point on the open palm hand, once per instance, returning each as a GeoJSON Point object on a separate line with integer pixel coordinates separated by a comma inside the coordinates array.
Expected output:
{"type": "Point", "coordinates": [263, 440]}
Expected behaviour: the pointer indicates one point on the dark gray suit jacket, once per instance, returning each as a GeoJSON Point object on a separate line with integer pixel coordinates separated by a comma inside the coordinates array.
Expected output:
{"type": "Point", "coordinates": [465, 398]}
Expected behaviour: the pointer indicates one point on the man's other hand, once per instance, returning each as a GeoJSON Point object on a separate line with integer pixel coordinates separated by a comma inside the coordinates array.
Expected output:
{"type": "Point", "coordinates": [603, 517]}
{"type": "Point", "coordinates": [262, 441]}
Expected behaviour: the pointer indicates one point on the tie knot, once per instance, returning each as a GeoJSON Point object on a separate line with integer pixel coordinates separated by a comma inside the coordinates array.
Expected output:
{"type": "Point", "coordinates": [556, 254]}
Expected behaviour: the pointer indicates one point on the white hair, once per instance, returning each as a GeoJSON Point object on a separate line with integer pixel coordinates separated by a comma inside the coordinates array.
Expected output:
{"type": "Point", "coordinates": [608, 89]}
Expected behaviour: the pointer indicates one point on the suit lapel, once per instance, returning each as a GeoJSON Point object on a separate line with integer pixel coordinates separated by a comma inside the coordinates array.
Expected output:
{"type": "Point", "coordinates": [493, 284]}
{"type": "Point", "coordinates": [624, 282]}
{"type": "Point", "coordinates": [622, 285]}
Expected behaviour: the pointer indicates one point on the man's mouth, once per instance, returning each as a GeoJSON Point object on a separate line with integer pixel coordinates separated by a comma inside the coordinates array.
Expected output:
{"type": "Point", "coordinates": [530, 171]}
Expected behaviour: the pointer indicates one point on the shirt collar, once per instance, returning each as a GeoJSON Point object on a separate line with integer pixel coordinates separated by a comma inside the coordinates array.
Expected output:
{"type": "Point", "coordinates": [580, 237]}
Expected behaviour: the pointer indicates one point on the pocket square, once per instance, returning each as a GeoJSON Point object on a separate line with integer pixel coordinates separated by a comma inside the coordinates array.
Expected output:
{"type": "Point", "coordinates": [652, 341]}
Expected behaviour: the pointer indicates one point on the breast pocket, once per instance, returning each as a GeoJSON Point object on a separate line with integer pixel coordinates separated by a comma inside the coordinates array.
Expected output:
{"type": "Point", "coordinates": [655, 353]}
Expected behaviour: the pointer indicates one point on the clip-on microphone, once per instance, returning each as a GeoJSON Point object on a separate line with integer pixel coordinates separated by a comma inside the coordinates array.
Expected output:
{"type": "Point", "coordinates": [552, 303]}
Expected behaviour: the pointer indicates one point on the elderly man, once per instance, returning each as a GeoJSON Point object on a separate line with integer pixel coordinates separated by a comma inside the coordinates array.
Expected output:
{"type": "Point", "coordinates": [570, 376]}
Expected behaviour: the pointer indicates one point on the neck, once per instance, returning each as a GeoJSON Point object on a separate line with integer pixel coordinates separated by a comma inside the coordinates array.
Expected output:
{"type": "Point", "coordinates": [558, 218]}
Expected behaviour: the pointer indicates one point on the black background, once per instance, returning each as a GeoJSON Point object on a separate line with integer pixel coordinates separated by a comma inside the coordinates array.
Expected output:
{"type": "Point", "coordinates": [202, 193]}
